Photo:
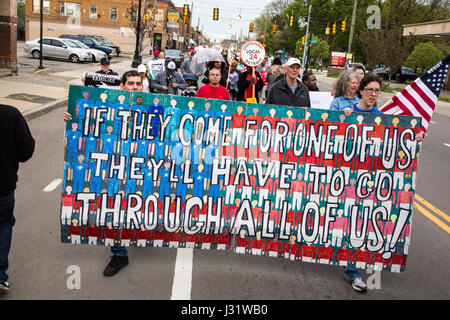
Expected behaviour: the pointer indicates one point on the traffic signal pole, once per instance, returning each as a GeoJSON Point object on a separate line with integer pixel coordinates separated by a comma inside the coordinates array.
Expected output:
{"type": "Point", "coordinates": [306, 37]}
{"type": "Point", "coordinates": [352, 29]}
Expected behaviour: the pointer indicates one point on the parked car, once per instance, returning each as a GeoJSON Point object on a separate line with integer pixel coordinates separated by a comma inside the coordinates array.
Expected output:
{"type": "Point", "coordinates": [404, 75]}
{"type": "Point", "coordinates": [175, 55]}
{"type": "Point", "coordinates": [97, 55]}
{"type": "Point", "coordinates": [91, 43]}
{"type": "Point", "coordinates": [105, 42]}
{"type": "Point", "coordinates": [350, 66]}
{"type": "Point", "coordinates": [58, 49]}
{"type": "Point", "coordinates": [382, 73]}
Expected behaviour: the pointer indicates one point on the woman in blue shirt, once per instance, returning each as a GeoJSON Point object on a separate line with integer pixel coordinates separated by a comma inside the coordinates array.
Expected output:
{"type": "Point", "coordinates": [369, 88]}
{"type": "Point", "coordinates": [345, 90]}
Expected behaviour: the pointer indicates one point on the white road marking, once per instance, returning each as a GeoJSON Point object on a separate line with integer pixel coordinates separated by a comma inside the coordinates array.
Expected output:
{"type": "Point", "coordinates": [432, 122]}
{"type": "Point", "coordinates": [182, 279]}
{"type": "Point", "coordinates": [53, 185]}
{"type": "Point", "coordinates": [447, 144]}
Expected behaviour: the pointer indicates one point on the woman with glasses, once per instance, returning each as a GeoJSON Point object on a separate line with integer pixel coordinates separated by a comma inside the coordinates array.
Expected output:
{"type": "Point", "coordinates": [369, 87]}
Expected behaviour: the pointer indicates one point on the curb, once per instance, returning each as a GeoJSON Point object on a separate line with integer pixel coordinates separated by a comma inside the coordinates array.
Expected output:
{"type": "Point", "coordinates": [31, 114]}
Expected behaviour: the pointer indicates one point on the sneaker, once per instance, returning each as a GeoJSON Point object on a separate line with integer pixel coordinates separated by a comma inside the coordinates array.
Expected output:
{"type": "Point", "coordinates": [114, 266]}
{"type": "Point", "coordinates": [357, 284]}
{"type": "Point", "coordinates": [4, 286]}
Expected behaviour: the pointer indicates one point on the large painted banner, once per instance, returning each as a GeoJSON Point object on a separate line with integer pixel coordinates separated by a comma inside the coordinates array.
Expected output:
{"type": "Point", "coordinates": [313, 185]}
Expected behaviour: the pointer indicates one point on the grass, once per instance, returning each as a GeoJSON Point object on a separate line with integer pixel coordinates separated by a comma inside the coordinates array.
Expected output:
{"type": "Point", "coordinates": [335, 76]}
{"type": "Point", "coordinates": [443, 97]}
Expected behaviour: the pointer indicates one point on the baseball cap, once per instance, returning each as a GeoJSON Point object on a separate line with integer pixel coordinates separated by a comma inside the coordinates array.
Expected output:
{"type": "Point", "coordinates": [292, 61]}
{"type": "Point", "coordinates": [105, 61]}
{"type": "Point", "coordinates": [141, 68]}
{"type": "Point", "coordinates": [171, 65]}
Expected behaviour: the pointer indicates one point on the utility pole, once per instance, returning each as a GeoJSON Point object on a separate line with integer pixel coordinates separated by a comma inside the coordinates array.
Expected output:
{"type": "Point", "coordinates": [41, 35]}
{"type": "Point", "coordinates": [352, 29]}
{"type": "Point", "coordinates": [137, 57]}
{"type": "Point", "coordinates": [305, 48]}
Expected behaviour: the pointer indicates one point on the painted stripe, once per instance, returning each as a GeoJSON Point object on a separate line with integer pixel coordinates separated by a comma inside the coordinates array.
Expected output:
{"type": "Point", "coordinates": [433, 208]}
{"type": "Point", "coordinates": [182, 279]}
{"type": "Point", "coordinates": [432, 218]}
{"type": "Point", "coordinates": [52, 185]}
{"type": "Point", "coordinates": [447, 144]}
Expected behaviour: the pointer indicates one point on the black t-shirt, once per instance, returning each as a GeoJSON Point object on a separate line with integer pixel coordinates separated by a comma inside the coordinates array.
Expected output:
{"type": "Point", "coordinates": [110, 73]}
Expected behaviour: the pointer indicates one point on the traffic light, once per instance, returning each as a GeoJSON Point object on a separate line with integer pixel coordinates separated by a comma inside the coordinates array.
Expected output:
{"type": "Point", "coordinates": [303, 41]}
{"type": "Point", "coordinates": [291, 21]}
{"type": "Point", "coordinates": [334, 28]}
{"type": "Point", "coordinates": [274, 28]}
{"type": "Point", "coordinates": [343, 26]}
{"type": "Point", "coordinates": [185, 19]}
{"type": "Point", "coordinates": [327, 29]}
{"type": "Point", "coordinates": [185, 10]}
{"type": "Point", "coordinates": [250, 28]}
{"type": "Point", "coordinates": [216, 14]}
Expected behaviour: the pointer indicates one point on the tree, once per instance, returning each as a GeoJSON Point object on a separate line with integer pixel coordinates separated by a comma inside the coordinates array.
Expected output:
{"type": "Point", "coordinates": [319, 50]}
{"type": "Point", "coordinates": [424, 56]}
{"type": "Point", "coordinates": [146, 26]}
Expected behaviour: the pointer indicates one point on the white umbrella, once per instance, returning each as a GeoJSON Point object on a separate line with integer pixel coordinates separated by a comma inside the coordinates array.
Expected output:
{"type": "Point", "coordinates": [200, 60]}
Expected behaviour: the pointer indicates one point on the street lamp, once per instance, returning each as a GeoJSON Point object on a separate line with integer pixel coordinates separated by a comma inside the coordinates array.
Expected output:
{"type": "Point", "coordinates": [137, 59]}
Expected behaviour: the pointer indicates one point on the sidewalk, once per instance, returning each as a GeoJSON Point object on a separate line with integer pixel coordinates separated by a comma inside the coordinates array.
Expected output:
{"type": "Point", "coordinates": [34, 99]}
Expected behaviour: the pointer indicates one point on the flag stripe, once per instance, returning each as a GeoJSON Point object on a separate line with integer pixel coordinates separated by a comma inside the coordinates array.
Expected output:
{"type": "Point", "coordinates": [413, 111]}
{"type": "Point", "coordinates": [413, 105]}
{"type": "Point", "coordinates": [428, 93]}
{"type": "Point", "coordinates": [420, 97]}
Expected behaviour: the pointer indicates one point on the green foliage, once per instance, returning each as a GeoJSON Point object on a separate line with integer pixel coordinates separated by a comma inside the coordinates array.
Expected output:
{"type": "Point", "coordinates": [424, 56]}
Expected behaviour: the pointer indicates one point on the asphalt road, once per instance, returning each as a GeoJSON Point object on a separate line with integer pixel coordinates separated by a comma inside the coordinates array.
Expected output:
{"type": "Point", "coordinates": [41, 267]}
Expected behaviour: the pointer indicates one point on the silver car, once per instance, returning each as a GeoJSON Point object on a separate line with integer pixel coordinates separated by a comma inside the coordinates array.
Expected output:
{"type": "Point", "coordinates": [58, 49]}
{"type": "Point", "coordinates": [97, 55]}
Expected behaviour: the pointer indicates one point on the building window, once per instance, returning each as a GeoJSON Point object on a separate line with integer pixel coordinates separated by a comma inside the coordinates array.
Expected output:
{"type": "Point", "coordinates": [69, 9]}
{"type": "Point", "coordinates": [37, 6]}
{"type": "Point", "coordinates": [92, 11]}
{"type": "Point", "coordinates": [113, 13]}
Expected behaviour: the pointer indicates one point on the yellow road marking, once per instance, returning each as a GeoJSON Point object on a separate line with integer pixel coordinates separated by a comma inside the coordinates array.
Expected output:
{"type": "Point", "coordinates": [433, 208]}
{"type": "Point", "coordinates": [27, 97]}
{"type": "Point", "coordinates": [432, 218]}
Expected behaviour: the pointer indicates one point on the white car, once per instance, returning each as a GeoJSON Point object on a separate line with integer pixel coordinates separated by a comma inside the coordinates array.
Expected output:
{"type": "Point", "coordinates": [58, 49]}
{"type": "Point", "coordinates": [97, 55]}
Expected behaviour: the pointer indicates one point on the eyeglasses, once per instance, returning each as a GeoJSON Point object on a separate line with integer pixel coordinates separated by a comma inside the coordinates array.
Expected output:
{"type": "Point", "coordinates": [370, 90]}
{"type": "Point", "coordinates": [132, 83]}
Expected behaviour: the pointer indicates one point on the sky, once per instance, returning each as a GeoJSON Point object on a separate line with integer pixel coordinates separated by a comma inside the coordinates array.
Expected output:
{"type": "Point", "coordinates": [228, 15]}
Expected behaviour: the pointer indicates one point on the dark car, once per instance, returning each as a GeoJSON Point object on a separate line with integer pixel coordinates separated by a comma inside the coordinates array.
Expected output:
{"type": "Point", "coordinates": [382, 73]}
{"type": "Point", "coordinates": [175, 55]}
{"type": "Point", "coordinates": [91, 43]}
{"type": "Point", "coordinates": [405, 75]}
{"type": "Point", "coordinates": [105, 42]}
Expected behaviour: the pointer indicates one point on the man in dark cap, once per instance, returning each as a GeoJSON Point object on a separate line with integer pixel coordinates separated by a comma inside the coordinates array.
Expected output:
{"type": "Point", "coordinates": [105, 64]}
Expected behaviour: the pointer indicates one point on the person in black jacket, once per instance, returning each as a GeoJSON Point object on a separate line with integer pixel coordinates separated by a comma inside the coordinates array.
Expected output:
{"type": "Point", "coordinates": [16, 145]}
{"type": "Point", "coordinates": [289, 91]}
{"type": "Point", "coordinates": [245, 82]}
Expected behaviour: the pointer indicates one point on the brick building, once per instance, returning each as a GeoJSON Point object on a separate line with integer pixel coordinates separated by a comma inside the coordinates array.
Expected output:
{"type": "Point", "coordinates": [8, 33]}
{"type": "Point", "coordinates": [109, 19]}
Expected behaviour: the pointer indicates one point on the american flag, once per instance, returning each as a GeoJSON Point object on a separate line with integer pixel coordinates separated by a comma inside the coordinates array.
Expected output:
{"type": "Point", "coordinates": [420, 97]}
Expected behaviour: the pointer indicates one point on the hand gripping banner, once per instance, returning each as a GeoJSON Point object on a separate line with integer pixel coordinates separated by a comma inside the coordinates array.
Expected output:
{"type": "Point", "coordinates": [312, 185]}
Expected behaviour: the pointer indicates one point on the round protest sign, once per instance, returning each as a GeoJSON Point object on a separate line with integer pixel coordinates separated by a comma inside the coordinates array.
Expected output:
{"type": "Point", "coordinates": [253, 53]}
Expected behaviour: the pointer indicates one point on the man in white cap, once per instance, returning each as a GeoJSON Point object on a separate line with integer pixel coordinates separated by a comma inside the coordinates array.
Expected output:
{"type": "Point", "coordinates": [142, 70]}
{"type": "Point", "coordinates": [169, 81]}
{"type": "Point", "coordinates": [289, 91]}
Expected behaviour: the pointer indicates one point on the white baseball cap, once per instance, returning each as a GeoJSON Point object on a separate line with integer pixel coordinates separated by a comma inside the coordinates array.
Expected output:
{"type": "Point", "coordinates": [292, 61]}
{"type": "Point", "coordinates": [171, 66]}
{"type": "Point", "coordinates": [141, 68]}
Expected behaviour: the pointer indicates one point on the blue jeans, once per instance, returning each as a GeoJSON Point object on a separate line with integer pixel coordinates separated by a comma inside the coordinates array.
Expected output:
{"type": "Point", "coordinates": [6, 225]}
{"type": "Point", "coordinates": [352, 273]}
{"type": "Point", "coordinates": [119, 251]}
